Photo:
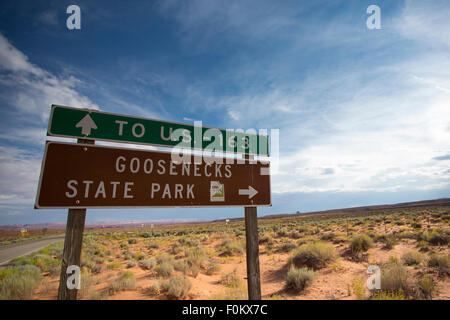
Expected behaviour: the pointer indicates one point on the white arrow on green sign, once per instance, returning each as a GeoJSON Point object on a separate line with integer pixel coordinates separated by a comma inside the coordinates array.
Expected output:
{"type": "Point", "coordinates": [93, 124]}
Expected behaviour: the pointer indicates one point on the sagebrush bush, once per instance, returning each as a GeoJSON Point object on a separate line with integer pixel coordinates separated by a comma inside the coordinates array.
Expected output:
{"type": "Point", "coordinates": [212, 268]}
{"type": "Point", "coordinates": [299, 278]}
{"type": "Point", "coordinates": [195, 256]}
{"type": "Point", "coordinates": [165, 269]}
{"type": "Point", "coordinates": [360, 243]}
{"type": "Point", "coordinates": [412, 257]}
{"type": "Point", "coordinates": [147, 264]}
{"type": "Point", "coordinates": [18, 283]}
{"type": "Point", "coordinates": [140, 256]}
{"type": "Point", "coordinates": [154, 289]}
{"type": "Point", "coordinates": [295, 235]}
{"type": "Point", "coordinates": [231, 248]}
{"type": "Point", "coordinates": [231, 280]}
{"type": "Point", "coordinates": [177, 287]}
{"type": "Point", "coordinates": [359, 287]}
{"type": "Point", "coordinates": [153, 245]}
{"type": "Point", "coordinates": [328, 236]}
{"type": "Point", "coordinates": [125, 281]}
{"type": "Point", "coordinates": [388, 240]}
{"type": "Point", "coordinates": [435, 238]}
{"type": "Point", "coordinates": [132, 241]}
{"type": "Point", "coordinates": [43, 261]}
{"type": "Point", "coordinates": [424, 288]}
{"type": "Point", "coordinates": [440, 262]}
{"type": "Point", "coordinates": [314, 255]}
{"type": "Point", "coordinates": [114, 265]}
{"type": "Point", "coordinates": [394, 277]}
{"type": "Point", "coordinates": [286, 246]}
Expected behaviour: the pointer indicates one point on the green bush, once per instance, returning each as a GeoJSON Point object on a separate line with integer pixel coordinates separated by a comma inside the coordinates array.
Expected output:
{"type": "Point", "coordinates": [114, 265]}
{"type": "Point", "coordinates": [295, 235]}
{"type": "Point", "coordinates": [299, 278]}
{"type": "Point", "coordinates": [43, 261]}
{"type": "Point", "coordinates": [177, 287]}
{"type": "Point", "coordinates": [153, 245]}
{"type": "Point", "coordinates": [282, 233]}
{"type": "Point", "coordinates": [360, 243]}
{"type": "Point", "coordinates": [19, 282]}
{"type": "Point", "coordinates": [388, 240]}
{"type": "Point", "coordinates": [287, 246]}
{"type": "Point", "coordinates": [231, 248]}
{"type": "Point", "coordinates": [435, 238]}
{"type": "Point", "coordinates": [195, 256]}
{"type": "Point", "coordinates": [394, 277]}
{"type": "Point", "coordinates": [328, 237]}
{"type": "Point", "coordinates": [359, 287]}
{"type": "Point", "coordinates": [424, 288]}
{"type": "Point", "coordinates": [132, 241]}
{"type": "Point", "coordinates": [412, 257]}
{"type": "Point", "coordinates": [440, 262]}
{"type": "Point", "coordinates": [314, 256]}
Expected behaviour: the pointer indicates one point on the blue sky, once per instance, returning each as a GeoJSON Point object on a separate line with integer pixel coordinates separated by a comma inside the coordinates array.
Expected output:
{"type": "Point", "coordinates": [363, 115]}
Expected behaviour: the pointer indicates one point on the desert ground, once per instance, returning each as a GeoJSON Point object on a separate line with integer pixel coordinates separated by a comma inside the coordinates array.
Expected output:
{"type": "Point", "coordinates": [301, 257]}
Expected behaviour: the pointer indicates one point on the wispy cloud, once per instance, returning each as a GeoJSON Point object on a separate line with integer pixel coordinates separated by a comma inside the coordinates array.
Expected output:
{"type": "Point", "coordinates": [371, 121]}
{"type": "Point", "coordinates": [32, 90]}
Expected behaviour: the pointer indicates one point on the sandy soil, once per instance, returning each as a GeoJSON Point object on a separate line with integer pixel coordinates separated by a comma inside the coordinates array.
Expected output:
{"type": "Point", "coordinates": [332, 282]}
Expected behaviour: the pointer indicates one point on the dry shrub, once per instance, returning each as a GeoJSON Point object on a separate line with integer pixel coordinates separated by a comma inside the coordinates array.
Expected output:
{"type": "Point", "coordinates": [177, 287]}
{"type": "Point", "coordinates": [299, 278]}
{"type": "Point", "coordinates": [412, 257]}
{"type": "Point", "coordinates": [314, 256]}
{"type": "Point", "coordinates": [360, 243]}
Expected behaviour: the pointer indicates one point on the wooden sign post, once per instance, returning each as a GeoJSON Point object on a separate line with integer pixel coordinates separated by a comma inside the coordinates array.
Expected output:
{"type": "Point", "coordinates": [73, 243]}
{"type": "Point", "coordinates": [252, 246]}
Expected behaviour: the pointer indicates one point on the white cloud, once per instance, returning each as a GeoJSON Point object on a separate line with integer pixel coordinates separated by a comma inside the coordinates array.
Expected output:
{"type": "Point", "coordinates": [235, 115]}
{"type": "Point", "coordinates": [426, 22]}
{"type": "Point", "coordinates": [203, 18]}
{"type": "Point", "coordinates": [19, 173]}
{"type": "Point", "coordinates": [13, 60]}
{"type": "Point", "coordinates": [32, 90]}
{"type": "Point", "coordinates": [373, 127]}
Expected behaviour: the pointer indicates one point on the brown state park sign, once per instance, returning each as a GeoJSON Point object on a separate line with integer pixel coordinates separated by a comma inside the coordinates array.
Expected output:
{"type": "Point", "coordinates": [89, 176]}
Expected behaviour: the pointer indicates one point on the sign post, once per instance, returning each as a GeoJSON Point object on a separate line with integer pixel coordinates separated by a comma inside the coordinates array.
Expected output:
{"type": "Point", "coordinates": [73, 243]}
{"type": "Point", "coordinates": [252, 251]}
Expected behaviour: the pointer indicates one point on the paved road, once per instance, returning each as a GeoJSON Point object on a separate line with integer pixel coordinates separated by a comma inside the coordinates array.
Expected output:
{"type": "Point", "coordinates": [23, 248]}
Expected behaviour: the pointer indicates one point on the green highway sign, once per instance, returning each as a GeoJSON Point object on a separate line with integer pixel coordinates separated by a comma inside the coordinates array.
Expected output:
{"type": "Point", "coordinates": [98, 125]}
